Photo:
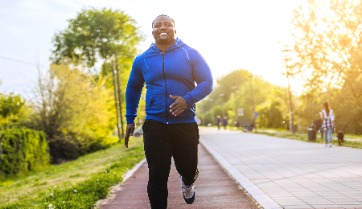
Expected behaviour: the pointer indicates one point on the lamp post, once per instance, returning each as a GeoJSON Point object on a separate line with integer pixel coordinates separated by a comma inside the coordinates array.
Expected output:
{"type": "Point", "coordinates": [253, 102]}
{"type": "Point", "coordinates": [288, 74]}
{"type": "Point", "coordinates": [290, 105]}
{"type": "Point", "coordinates": [236, 117]}
{"type": "Point", "coordinates": [212, 111]}
{"type": "Point", "coordinates": [222, 105]}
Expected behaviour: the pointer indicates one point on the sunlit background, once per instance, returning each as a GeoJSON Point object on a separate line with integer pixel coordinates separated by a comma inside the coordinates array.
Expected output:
{"type": "Point", "coordinates": [275, 64]}
{"type": "Point", "coordinates": [230, 34]}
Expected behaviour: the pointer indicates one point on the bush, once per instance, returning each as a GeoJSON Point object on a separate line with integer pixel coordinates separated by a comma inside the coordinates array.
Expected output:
{"type": "Point", "coordinates": [22, 150]}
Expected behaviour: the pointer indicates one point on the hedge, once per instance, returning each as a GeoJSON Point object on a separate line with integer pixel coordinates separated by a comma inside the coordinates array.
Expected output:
{"type": "Point", "coordinates": [22, 150]}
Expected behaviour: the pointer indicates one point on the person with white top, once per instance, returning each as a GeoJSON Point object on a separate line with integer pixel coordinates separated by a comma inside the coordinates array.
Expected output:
{"type": "Point", "coordinates": [327, 117]}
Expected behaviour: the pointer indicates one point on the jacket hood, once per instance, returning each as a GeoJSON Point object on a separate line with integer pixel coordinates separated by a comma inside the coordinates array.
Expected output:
{"type": "Point", "coordinates": [178, 44]}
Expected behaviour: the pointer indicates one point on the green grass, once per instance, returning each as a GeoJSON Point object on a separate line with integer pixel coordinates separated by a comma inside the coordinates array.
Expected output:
{"type": "Point", "coordinates": [304, 137]}
{"type": "Point", "coordinates": [76, 184]}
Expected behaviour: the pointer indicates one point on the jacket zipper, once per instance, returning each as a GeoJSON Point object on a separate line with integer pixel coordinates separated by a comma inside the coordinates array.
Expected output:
{"type": "Point", "coordinates": [164, 78]}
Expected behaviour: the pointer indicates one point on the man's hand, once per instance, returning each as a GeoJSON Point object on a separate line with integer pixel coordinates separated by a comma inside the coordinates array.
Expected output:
{"type": "Point", "coordinates": [178, 106]}
{"type": "Point", "coordinates": [129, 132]}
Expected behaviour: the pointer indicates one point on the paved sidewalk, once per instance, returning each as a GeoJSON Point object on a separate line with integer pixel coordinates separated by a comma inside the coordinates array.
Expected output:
{"type": "Point", "coordinates": [290, 174]}
{"type": "Point", "coordinates": [214, 189]}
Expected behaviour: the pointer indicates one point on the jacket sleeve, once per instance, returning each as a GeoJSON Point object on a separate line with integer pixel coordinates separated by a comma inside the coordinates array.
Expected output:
{"type": "Point", "coordinates": [203, 78]}
{"type": "Point", "coordinates": [134, 90]}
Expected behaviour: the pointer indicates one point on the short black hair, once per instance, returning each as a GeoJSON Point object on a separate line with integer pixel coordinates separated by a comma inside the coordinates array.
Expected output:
{"type": "Point", "coordinates": [173, 21]}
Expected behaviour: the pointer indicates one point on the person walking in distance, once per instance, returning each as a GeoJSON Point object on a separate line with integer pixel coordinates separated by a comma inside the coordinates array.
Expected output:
{"type": "Point", "coordinates": [327, 117]}
{"type": "Point", "coordinates": [224, 122]}
{"type": "Point", "coordinates": [218, 122]}
{"type": "Point", "coordinates": [176, 77]}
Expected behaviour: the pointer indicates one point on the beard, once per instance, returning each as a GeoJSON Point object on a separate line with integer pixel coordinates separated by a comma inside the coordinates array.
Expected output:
{"type": "Point", "coordinates": [164, 38]}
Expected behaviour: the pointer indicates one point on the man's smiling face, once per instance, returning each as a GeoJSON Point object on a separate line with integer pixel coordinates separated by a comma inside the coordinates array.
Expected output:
{"type": "Point", "coordinates": [163, 30]}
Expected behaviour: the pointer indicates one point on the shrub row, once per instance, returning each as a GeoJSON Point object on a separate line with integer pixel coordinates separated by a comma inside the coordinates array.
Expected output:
{"type": "Point", "coordinates": [22, 150]}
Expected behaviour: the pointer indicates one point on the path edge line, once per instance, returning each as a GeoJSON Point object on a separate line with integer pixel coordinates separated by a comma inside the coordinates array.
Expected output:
{"type": "Point", "coordinates": [259, 196]}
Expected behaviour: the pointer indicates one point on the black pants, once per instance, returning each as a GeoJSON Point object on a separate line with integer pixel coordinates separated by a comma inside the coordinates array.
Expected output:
{"type": "Point", "coordinates": [161, 143]}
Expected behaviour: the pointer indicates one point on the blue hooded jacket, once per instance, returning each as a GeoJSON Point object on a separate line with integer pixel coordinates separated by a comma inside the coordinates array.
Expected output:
{"type": "Point", "coordinates": [179, 71]}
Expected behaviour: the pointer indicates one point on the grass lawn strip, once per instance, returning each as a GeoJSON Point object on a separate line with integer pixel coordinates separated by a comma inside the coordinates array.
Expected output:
{"type": "Point", "coordinates": [76, 184]}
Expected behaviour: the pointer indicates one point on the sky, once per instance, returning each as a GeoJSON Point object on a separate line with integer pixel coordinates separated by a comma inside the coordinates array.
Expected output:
{"type": "Point", "coordinates": [230, 34]}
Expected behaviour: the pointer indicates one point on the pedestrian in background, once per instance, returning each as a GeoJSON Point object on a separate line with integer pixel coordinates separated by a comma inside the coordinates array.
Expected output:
{"type": "Point", "coordinates": [224, 122]}
{"type": "Point", "coordinates": [218, 122]}
{"type": "Point", "coordinates": [327, 117]}
{"type": "Point", "coordinates": [176, 78]}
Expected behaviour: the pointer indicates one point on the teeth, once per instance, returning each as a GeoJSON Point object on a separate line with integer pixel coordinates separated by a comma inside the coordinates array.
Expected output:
{"type": "Point", "coordinates": [163, 35]}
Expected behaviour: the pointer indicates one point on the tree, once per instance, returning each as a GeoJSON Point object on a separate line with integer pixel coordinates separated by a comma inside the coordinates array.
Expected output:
{"type": "Point", "coordinates": [94, 35]}
{"type": "Point", "coordinates": [326, 37]}
{"type": "Point", "coordinates": [75, 111]}
{"type": "Point", "coordinates": [100, 36]}
{"type": "Point", "coordinates": [328, 48]}
{"type": "Point", "coordinates": [229, 83]}
{"type": "Point", "coordinates": [14, 111]}
{"type": "Point", "coordinates": [242, 90]}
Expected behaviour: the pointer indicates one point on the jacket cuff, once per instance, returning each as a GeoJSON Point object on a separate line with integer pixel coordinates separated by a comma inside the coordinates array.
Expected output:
{"type": "Point", "coordinates": [189, 100]}
{"type": "Point", "coordinates": [130, 120]}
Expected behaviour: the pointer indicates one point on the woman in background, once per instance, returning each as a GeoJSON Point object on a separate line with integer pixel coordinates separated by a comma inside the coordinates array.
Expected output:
{"type": "Point", "coordinates": [327, 117]}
